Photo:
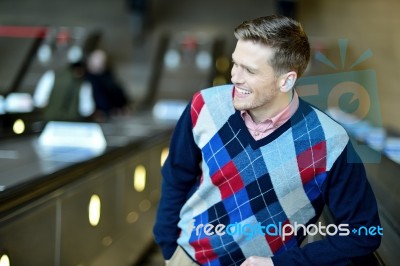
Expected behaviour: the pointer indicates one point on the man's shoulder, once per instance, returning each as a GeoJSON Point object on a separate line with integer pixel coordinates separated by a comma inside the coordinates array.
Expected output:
{"type": "Point", "coordinates": [213, 97]}
{"type": "Point", "coordinates": [329, 124]}
{"type": "Point", "coordinates": [210, 110]}
{"type": "Point", "coordinates": [215, 92]}
{"type": "Point", "coordinates": [332, 132]}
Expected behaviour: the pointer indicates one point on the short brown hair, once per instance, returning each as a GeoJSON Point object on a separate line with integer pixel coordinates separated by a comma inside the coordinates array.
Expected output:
{"type": "Point", "coordinates": [285, 35]}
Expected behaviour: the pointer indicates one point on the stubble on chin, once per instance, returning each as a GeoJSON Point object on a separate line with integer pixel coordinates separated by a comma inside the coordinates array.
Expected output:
{"type": "Point", "coordinates": [241, 106]}
{"type": "Point", "coordinates": [245, 105]}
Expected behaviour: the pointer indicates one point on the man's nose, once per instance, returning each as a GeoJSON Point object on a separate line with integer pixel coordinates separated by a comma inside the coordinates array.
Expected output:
{"type": "Point", "coordinates": [236, 75]}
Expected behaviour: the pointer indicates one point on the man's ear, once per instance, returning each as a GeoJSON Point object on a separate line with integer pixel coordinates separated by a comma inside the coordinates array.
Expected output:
{"type": "Point", "coordinates": [287, 81]}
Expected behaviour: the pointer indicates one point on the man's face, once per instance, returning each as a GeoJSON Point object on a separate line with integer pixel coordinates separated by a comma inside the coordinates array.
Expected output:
{"type": "Point", "coordinates": [256, 86]}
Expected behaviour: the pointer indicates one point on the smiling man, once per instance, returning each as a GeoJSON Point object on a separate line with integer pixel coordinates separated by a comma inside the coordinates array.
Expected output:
{"type": "Point", "coordinates": [252, 154]}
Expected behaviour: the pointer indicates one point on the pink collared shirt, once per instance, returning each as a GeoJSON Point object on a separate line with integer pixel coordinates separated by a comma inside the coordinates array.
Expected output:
{"type": "Point", "coordinates": [263, 129]}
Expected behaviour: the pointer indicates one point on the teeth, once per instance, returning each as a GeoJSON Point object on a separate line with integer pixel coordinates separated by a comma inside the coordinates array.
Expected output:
{"type": "Point", "coordinates": [243, 91]}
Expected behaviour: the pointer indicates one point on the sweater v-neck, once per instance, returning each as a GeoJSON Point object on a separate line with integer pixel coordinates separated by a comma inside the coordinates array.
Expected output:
{"type": "Point", "coordinates": [239, 124]}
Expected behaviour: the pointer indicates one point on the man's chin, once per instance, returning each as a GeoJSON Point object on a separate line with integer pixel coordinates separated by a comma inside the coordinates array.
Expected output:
{"type": "Point", "coordinates": [240, 105]}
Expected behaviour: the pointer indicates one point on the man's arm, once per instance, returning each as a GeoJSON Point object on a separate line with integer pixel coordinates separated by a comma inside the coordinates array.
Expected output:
{"type": "Point", "coordinates": [180, 173]}
{"type": "Point", "coordinates": [351, 201]}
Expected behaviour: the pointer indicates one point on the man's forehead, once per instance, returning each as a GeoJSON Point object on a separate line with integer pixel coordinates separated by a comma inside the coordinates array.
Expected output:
{"type": "Point", "coordinates": [251, 52]}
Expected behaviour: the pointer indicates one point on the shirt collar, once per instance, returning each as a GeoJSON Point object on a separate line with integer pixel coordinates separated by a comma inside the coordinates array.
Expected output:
{"type": "Point", "coordinates": [276, 120]}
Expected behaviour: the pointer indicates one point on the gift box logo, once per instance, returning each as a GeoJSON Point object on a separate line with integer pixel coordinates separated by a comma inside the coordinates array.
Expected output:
{"type": "Point", "coordinates": [350, 97]}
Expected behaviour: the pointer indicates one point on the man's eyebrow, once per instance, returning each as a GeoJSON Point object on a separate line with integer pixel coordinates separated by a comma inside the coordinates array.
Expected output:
{"type": "Point", "coordinates": [242, 65]}
{"type": "Point", "coordinates": [252, 69]}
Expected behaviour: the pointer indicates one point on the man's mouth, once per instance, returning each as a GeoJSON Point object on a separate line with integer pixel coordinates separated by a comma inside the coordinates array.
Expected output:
{"type": "Point", "coordinates": [242, 91]}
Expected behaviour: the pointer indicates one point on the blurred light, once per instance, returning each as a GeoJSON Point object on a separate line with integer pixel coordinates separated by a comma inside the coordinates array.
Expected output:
{"type": "Point", "coordinates": [203, 60]}
{"type": "Point", "coordinates": [75, 54]}
{"type": "Point", "coordinates": [23, 31]}
{"type": "Point", "coordinates": [88, 137]}
{"type": "Point", "coordinates": [94, 210]}
{"type": "Point", "coordinates": [132, 217]}
{"type": "Point", "coordinates": [219, 80]}
{"type": "Point", "coordinates": [222, 64]}
{"type": "Point", "coordinates": [43, 89]}
{"type": "Point", "coordinates": [172, 58]}
{"type": "Point", "coordinates": [189, 43]}
{"type": "Point", "coordinates": [19, 126]}
{"type": "Point", "coordinates": [169, 109]}
{"type": "Point", "coordinates": [107, 241]}
{"type": "Point", "coordinates": [63, 36]}
{"type": "Point", "coordinates": [2, 103]}
{"type": "Point", "coordinates": [44, 53]}
{"type": "Point", "coordinates": [19, 102]}
{"type": "Point", "coordinates": [139, 178]}
{"type": "Point", "coordinates": [144, 205]}
{"type": "Point", "coordinates": [4, 260]}
{"type": "Point", "coordinates": [164, 155]}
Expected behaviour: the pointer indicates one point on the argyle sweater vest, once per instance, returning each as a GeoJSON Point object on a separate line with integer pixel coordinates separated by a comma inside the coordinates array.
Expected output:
{"type": "Point", "coordinates": [220, 186]}
{"type": "Point", "coordinates": [242, 183]}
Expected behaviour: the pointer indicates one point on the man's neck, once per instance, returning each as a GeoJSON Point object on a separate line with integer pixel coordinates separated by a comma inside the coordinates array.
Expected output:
{"type": "Point", "coordinates": [259, 116]}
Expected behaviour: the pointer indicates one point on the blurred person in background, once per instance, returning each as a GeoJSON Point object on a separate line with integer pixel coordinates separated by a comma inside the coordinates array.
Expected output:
{"type": "Point", "coordinates": [108, 94]}
{"type": "Point", "coordinates": [65, 95]}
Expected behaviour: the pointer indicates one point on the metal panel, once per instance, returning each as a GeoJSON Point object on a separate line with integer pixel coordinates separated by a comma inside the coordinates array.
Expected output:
{"type": "Point", "coordinates": [30, 238]}
{"type": "Point", "coordinates": [80, 241]}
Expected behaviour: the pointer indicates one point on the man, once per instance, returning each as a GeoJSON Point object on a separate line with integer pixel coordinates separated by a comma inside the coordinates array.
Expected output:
{"type": "Point", "coordinates": [64, 95]}
{"type": "Point", "coordinates": [251, 166]}
{"type": "Point", "coordinates": [108, 94]}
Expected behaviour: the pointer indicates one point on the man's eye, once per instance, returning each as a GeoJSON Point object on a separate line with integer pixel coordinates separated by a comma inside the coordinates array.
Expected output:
{"type": "Point", "coordinates": [250, 71]}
